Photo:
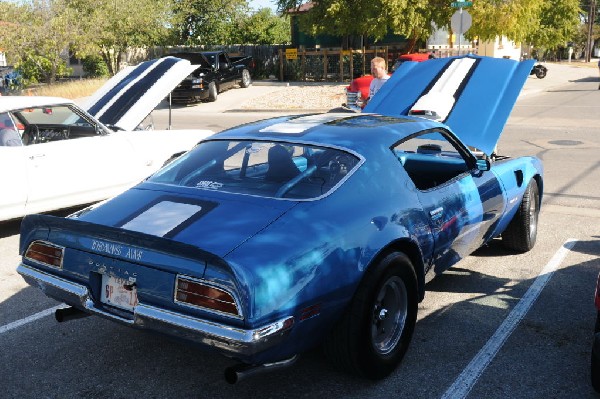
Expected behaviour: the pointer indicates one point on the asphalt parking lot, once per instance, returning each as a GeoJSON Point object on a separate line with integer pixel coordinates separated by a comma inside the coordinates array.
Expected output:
{"type": "Point", "coordinates": [498, 325]}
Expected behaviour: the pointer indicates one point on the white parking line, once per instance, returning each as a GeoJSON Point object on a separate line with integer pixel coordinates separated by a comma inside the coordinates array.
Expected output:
{"type": "Point", "coordinates": [469, 376]}
{"type": "Point", "coordinates": [29, 319]}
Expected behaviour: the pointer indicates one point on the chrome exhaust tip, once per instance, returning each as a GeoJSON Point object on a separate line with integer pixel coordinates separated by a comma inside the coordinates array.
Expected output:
{"type": "Point", "coordinates": [236, 373]}
{"type": "Point", "coordinates": [70, 313]}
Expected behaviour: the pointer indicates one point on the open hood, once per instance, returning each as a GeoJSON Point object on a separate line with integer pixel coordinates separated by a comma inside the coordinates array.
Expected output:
{"type": "Point", "coordinates": [133, 93]}
{"type": "Point", "coordinates": [473, 95]}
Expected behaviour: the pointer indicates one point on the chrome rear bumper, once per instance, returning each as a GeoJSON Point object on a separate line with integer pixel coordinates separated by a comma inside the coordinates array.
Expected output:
{"type": "Point", "coordinates": [230, 340]}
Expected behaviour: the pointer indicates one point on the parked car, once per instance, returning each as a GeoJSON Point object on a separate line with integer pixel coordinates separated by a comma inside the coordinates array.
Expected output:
{"type": "Point", "coordinates": [357, 92]}
{"type": "Point", "coordinates": [217, 71]}
{"type": "Point", "coordinates": [73, 155]}
{"type": "Point", "coordinates": [595, 367]}
{"type": "Point", "coordinates": [279, 235]}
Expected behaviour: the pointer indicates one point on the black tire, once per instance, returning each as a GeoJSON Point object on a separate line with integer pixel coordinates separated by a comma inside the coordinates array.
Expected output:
{"type": "Point", "coordinates": [374, 333]}
{"type": "Point", "coordinates": [213, 92]}
{"type": "Point", "coordinates": [521, 233]}
{"type": "Point", "coordinates": [541, 73]}
{"type": "Point", "coordinates": [246, 79]}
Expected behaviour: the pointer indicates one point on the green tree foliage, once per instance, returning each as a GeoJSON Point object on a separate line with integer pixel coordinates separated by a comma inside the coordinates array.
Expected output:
{"type": "Point", "coordinates": [37, 34]}
{"type": "Point", "coordinates": [515, 19]}
{"type": "Point", "coordinates": [373, 18]}
{"type": "Point", "coordinates": [546, 22]}
{"type": "Point", "coordinates": [262, 27]}
{"type": "Point", "coordinates": [207, 22]}
{"type": "Point", "coordinates": [95, 67]}
{"type": "Point", "coordinates": [112, 27]}
{"type": "Point", "coordinates": [558, 24]}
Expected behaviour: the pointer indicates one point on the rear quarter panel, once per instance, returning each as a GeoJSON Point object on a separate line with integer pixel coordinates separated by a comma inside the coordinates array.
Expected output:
{"type": "Point", "coordinates": [514, 175]}
{"type": "Point", "coordinates": [318, 252]}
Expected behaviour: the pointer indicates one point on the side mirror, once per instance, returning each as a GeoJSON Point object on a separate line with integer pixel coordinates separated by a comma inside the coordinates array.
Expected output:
{"type": "Point", "coordinates": [484, 164]}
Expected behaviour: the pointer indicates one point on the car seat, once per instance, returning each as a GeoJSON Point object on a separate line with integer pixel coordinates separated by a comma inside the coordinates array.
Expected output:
{"type": "Point", "coordinates": [281, 165]}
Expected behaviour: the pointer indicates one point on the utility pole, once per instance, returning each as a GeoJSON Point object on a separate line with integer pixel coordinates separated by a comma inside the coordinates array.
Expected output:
{"type": "Point", "coordinates": [590, 40]}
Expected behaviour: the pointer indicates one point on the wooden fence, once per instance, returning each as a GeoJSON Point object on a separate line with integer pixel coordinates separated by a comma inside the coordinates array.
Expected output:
{"type": "Point", "coordinates": [326, 64]}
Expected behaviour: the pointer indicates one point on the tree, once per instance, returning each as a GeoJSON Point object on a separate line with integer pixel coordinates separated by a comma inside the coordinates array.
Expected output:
{"type": "Point", "coordinates": [207, 22]}
{"type": "Point", "coordinates": [40, 32]}
{"type": "Point", "coordinates": [559, 23]}
{"type": "Point", "coordinates": [373, 18]}
{"type": "Point", "coordinates": [262, 27]}
{"type": "Point", "coordinates": [114, 27]}
{"type": "Point", "coordinates": [515, 19]}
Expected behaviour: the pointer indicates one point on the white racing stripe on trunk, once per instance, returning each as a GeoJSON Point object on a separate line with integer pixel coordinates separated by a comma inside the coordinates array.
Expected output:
{"type": "Point", "coordinates": [161, 218]}
{"type": "Point", "coordinates": [302, 124]}
{"type": "Point", "coordinates": [469, 376]}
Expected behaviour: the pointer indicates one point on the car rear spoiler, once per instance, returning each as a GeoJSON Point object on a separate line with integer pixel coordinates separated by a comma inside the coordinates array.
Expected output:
{"type": "Point", "coordinates": [80, 235]}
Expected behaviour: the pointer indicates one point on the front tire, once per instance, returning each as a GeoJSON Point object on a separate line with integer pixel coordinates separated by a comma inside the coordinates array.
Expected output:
{"type": "Point", "coordinates": [213, 92]}
{"type": "Point", "coordinates": [246, 79]}
{"type": "Point", "coordinates": [376, 329]}
{"type": "Point", "coordinates": [521, 233]}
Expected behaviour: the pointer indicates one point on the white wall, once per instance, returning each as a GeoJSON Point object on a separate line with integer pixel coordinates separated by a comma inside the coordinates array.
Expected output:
{"type": "Point", "coordinates": [499, 48]}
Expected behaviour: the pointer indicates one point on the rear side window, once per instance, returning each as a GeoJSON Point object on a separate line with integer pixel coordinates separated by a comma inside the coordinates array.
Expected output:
{"type": "Point", "coordinates": [267, 169]}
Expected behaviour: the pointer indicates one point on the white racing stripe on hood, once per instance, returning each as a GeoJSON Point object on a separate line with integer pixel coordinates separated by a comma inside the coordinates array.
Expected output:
{"type": "Point", "coordinates": [161, 218]}
{"type": "Point", "coordinates": [444, 92]}
{"type": "Point", "coordinates": [131, 95]}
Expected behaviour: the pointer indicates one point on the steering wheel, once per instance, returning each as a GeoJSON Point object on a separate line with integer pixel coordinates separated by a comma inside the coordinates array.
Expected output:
{"type": "Point", "coordinates": [31, 135]}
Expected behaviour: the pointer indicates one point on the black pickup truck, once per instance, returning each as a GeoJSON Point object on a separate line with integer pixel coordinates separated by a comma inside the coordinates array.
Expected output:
{"type": "Point", "coordinates": [216, 72]}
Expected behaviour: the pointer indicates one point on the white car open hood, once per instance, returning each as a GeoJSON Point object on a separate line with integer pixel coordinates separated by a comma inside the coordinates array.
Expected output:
{"type": "Point", "coordinates": [473, 95]}
{"type": "Point", "coordinates": [133, 93]}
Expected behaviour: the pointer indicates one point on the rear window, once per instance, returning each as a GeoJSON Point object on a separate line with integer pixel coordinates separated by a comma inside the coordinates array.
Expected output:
{"type": "Point", "coordinates": [267, 169]}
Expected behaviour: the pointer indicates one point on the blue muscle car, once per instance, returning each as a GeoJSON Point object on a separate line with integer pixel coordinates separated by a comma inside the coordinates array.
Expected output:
{"type": "Point", "coordinates": [276, 236]}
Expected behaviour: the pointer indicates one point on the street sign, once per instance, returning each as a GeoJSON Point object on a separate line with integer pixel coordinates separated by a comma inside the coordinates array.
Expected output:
{"type": "Point", "coordinates": [291, 53]}
{"type": "Point", "coordinates": [461, 4]}
{"type": "Point", "coordinates": [460, 22]}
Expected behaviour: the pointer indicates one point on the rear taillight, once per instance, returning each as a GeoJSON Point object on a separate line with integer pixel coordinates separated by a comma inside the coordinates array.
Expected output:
{"type": "Point", "coordinates": [201, 294]}
{"type": "Point", "coordinates": [45, 253]}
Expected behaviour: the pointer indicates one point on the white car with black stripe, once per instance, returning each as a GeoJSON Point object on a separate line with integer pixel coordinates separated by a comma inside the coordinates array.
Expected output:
{"type": "Point", "coordinates": [69, 155]}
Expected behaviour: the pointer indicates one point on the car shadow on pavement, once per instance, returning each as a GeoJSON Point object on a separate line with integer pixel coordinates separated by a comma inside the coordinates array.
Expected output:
{"type": "Point", "coordinates": [11, 227]}
{"type": "Point", "coordinates": [584, 80]}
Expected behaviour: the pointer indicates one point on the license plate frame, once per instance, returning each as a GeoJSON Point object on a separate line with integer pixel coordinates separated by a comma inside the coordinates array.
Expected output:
{"type": "Point", "coordinates": [118, 292]}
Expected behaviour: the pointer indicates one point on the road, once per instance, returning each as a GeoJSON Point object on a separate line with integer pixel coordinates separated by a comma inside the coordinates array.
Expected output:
{"type": "Point", "coordinates": [497, 325]}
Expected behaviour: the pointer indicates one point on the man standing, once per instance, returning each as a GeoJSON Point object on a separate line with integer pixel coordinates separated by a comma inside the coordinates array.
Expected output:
{"type": "Point", "coordinates": [380, 75]}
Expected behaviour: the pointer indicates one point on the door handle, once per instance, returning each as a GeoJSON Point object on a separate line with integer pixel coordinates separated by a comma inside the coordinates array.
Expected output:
{"type": "Point", "coordinates": [32, 157]}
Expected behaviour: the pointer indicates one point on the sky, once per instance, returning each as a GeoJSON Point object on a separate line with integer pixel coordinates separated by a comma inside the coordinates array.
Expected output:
{"type": "Point", "coordinates": [258, 4]}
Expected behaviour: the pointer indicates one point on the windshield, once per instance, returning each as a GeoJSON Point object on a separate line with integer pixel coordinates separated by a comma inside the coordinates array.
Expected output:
{"type": "Point", "coordinates": [267, 169]}
{"type": "Point", "coordinates": [51, 115]}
